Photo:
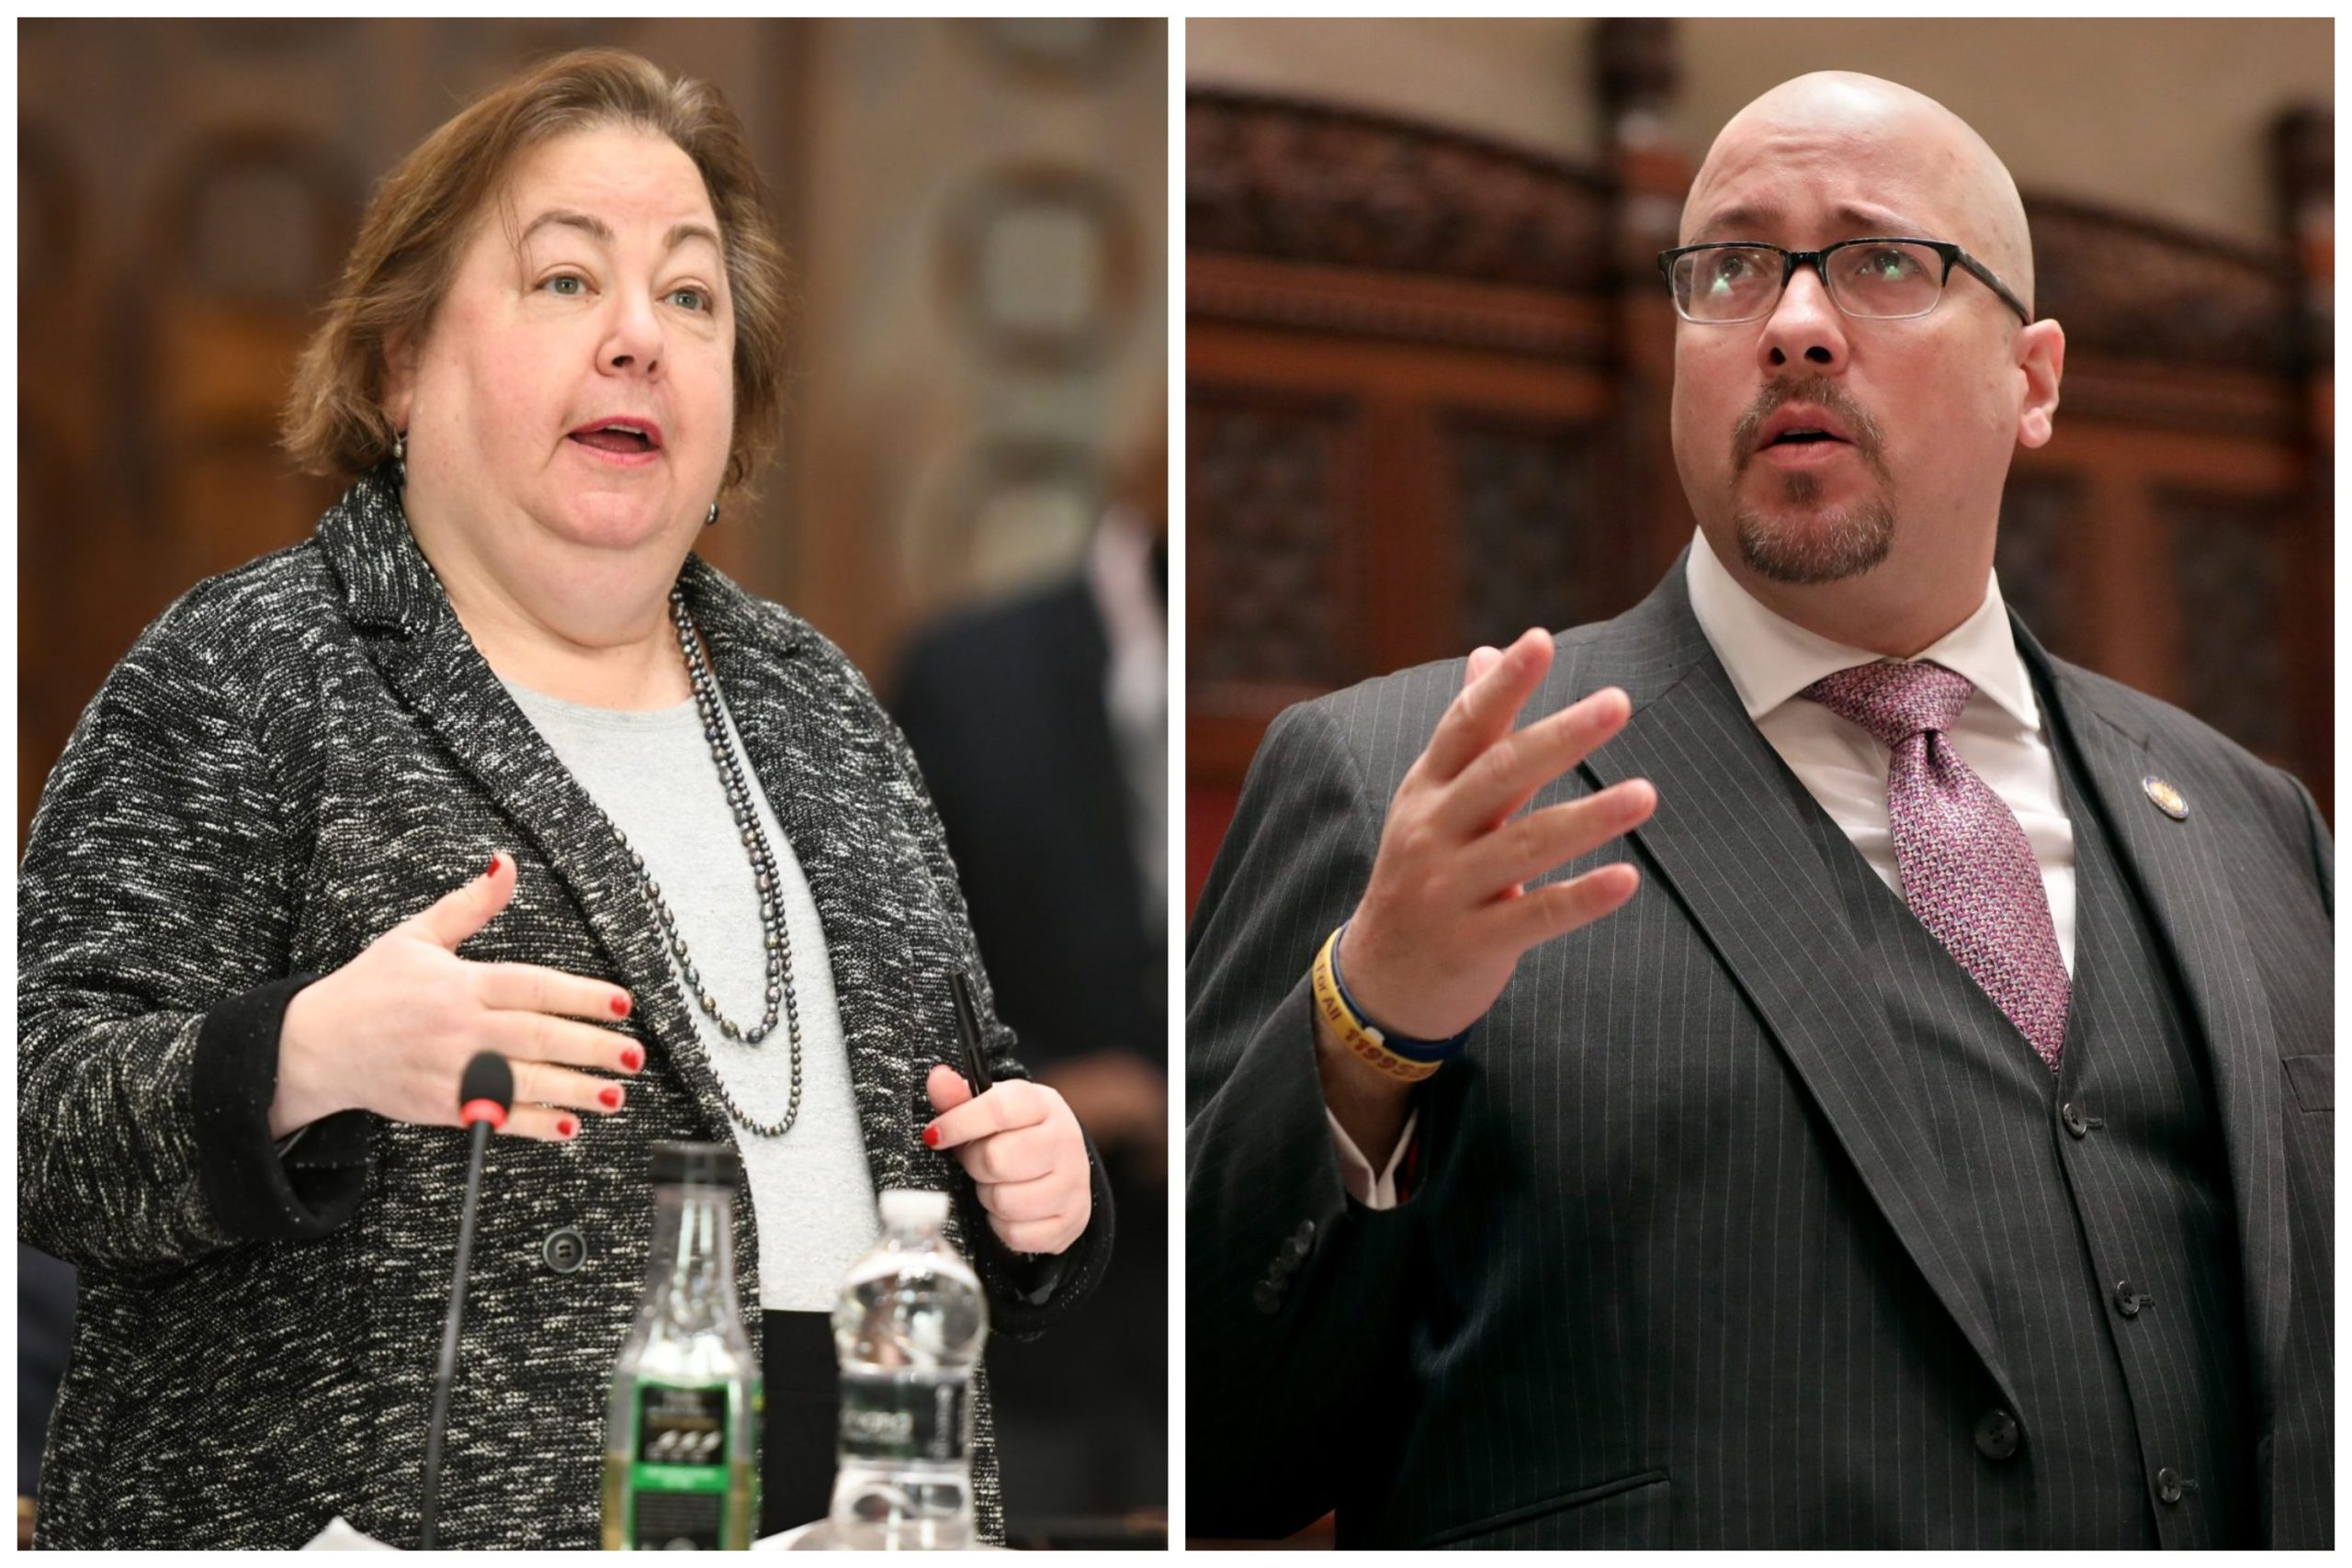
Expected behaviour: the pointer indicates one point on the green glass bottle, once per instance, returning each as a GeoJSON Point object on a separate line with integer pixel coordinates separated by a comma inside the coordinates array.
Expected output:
{"type": "Point", "coordinates": [682, 1422]}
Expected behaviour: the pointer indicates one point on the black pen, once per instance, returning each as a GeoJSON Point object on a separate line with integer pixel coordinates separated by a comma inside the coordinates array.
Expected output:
{"type": "Point", "coordinates": [967, 1029]}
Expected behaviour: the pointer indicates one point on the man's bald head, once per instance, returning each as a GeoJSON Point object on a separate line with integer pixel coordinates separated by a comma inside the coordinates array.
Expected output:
{"type": "Point", "coordinates": [1866, 121]}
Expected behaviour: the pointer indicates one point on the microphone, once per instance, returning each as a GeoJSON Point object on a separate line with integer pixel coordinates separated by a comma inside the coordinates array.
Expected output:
{"type": "Point", "coordinates": [485, 1094]}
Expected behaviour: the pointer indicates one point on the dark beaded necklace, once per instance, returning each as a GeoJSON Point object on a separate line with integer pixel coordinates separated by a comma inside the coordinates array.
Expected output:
{"type": "Point", "coordinates": [775, 934]}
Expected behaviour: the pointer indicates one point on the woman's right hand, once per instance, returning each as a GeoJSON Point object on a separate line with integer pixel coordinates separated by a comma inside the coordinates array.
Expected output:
{"type": "Point", "coordinates": [392, 1031]}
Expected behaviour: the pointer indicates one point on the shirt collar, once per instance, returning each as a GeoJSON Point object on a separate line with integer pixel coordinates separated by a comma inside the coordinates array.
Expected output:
{"type": "Point", "coordinates": [1771, 659]}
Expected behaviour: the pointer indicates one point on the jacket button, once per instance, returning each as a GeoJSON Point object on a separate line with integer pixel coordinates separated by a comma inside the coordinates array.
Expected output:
{"type": "Point", "coordinates": [2168, 1486]}
{"type": "Point", "coordinates": [565, 1250]}
{"type": "Point", "coordinates": [1304, 1236]}
{"type": "Point", "coordinates": [1267, 1298]}
{"type": "Point", "coordinates": [1997, 1434]}
{"type": "Point", "coordinates": [2074, 1121]}
{"type": "Point", "coordinates": [2127, 1300]}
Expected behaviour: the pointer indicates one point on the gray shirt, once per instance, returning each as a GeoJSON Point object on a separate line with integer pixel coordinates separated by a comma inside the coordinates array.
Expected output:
{"type": "Point", "coordinates": [651, 773]}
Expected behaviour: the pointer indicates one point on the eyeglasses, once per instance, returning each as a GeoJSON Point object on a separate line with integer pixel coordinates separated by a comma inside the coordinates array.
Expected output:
{"type": "Point", "coordinates": [1875, 279]}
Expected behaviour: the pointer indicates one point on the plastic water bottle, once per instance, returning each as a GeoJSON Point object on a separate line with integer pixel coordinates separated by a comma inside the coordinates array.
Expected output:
{"type": "Point", "coordinates": [908, 1328]}
{"type": "Point", "coordinates": [681, 1468]}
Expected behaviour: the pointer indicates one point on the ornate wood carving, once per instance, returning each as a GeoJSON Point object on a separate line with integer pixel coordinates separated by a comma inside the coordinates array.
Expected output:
{"type": "Point", "coordinates": [1262, 551]}
{"type": "Point", "coordinates": [2131, 288]}
{"type": "Point", "coordinates": [1344, 187]}
{"type": "Point", "coordinates": [2234, 582]}
{"type": "Point", "coordinates": [1532, 538]}
{"type": "Point", "coordinates": [2037, 559]}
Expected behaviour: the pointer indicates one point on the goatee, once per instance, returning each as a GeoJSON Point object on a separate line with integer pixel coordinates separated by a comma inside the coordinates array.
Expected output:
{"type": "Point", "coordinates": [1814, 546]}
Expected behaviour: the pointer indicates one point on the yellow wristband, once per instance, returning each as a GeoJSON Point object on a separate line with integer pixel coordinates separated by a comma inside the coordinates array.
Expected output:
{"type": "Point", "coordinates": [1363, 1039]}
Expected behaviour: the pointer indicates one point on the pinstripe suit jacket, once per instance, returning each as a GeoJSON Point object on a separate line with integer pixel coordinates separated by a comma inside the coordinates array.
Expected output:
{"type": "Point", "coordinates": [1681, 1268]}
{"type": "Point", "coordinates": [295, 757]}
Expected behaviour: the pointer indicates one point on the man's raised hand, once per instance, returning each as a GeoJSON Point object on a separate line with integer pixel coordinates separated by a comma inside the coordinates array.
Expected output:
{"type": "Point", "coordinates": [1448, 910]}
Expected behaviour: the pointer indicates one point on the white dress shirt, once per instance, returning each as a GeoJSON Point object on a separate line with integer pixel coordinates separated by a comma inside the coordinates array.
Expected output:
{"type": "Point", "coordinates": [1769, 660]}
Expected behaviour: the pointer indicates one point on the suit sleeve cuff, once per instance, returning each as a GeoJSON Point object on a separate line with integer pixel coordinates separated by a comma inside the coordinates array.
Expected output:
{"type": "Point", "coordinates": [257, 1189]}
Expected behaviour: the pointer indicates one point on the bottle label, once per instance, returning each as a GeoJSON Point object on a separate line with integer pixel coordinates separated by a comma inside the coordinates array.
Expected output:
{"type": "Point", "coordinates": [885, 1419]}
{"type": "Point", "coordinates": [679, 1469]}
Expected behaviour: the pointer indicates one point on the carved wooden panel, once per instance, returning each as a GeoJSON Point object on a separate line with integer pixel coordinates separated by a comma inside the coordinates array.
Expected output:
{"type": "Point", "coordinates": [1344, 187]}
{"type": "Point", "coordinates": [2038, 559]}
{"type": "Point", "coordinates": [1532, 543]}
{"type": "Point", "coordinates": [1264, 548]}
{"type": "Point", "coordinates": [2234, 579]}
{"type": "Point", "coordinates": [2132, 288]}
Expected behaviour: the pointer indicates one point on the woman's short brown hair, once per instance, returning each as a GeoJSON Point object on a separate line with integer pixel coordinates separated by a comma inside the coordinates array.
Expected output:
{"type": "Point", "coordinates": [420, 217]}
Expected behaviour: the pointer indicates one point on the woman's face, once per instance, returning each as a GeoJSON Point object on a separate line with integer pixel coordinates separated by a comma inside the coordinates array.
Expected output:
{"type": "Point", "coordinates": [576, 384]}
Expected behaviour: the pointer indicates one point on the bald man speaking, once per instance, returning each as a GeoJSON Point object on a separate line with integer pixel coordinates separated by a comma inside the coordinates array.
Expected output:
{"type": "Point", "coordinates": [1795, 1065]}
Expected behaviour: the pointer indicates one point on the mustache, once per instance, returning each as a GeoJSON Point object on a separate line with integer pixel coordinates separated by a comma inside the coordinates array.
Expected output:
{"type": "Point", "coordinates": [1824, 392]}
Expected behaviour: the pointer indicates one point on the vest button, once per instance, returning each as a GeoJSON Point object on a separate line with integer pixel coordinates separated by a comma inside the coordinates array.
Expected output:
{"type": "Point", "coordinates": [2168, 1486]}
{"type": "Point", "coordinates": [2127, 1300]}
{"type": "Point", "coordinates": [2074, 1120]}
{"type": "Point", "coordinates": [1997, 1434]}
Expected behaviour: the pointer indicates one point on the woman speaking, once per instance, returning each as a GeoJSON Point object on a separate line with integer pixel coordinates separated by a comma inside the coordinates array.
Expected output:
{"type": "Point", "coordinates": [492, 761]}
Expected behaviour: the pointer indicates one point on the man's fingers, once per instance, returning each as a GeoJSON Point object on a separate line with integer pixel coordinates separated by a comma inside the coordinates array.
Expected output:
{"type": "Point", "coordinates": [1559, 908]}
{"type": "Point", "coordinates": [1527, 846]}
{"type": "Point", "coordinates": [529, 987]}
{"type": "Point", "coordinates": [1482, 659]}
{"type": "Point", "coordinates": [1007, 1106]}
{"type": "Point", "coordinates": [1483, 713]}
{"type": "Point", "coordinates": [466, 910]}
{"type": "Point", "coordinates": [1514, 768]}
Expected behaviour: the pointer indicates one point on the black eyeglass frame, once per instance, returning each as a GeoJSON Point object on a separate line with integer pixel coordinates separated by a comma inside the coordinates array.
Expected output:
{"type": "Point", "coordinates": [1791, 260]}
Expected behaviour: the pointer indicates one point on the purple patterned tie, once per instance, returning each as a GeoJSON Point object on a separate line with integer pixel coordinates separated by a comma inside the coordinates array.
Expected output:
{"type": "Point", "coordinates": [1968, 872]}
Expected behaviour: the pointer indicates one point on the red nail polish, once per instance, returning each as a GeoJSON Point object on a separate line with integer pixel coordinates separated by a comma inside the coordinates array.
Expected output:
{"type": "Point", "coordinates": [611, 1096]}
{"type": "Point", "coordinates": [620, 1006]}
{"type": "Point", "coordinates": [931, 1136]}
{"type": "Point", "coordinates": [493, 866]}
{"type": "Point", "coordinates": [565, 1127]}
{"type": "Point", "coordinates": [632, 1058]}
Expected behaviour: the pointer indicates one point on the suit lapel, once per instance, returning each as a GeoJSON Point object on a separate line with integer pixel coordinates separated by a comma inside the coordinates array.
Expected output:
{"type": "Point", "coordinates": [2184, 887]}
{"type": "Point", "coordinates": [1730, 838]}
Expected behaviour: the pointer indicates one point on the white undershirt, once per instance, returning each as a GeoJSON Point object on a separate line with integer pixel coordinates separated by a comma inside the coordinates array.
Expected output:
{"type": "Point", "coordinates": [1843, 766]}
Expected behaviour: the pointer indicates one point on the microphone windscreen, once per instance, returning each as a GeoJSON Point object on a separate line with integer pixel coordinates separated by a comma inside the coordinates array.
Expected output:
{"type": "Point", "coordinates": [488, 1078]}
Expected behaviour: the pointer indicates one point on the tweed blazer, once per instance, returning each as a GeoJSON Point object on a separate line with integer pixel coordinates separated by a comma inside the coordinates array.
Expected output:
{"type": "Point", "coordinates": [1680, 1265]}
{"type": "Point", "coordinates": [296, 756]}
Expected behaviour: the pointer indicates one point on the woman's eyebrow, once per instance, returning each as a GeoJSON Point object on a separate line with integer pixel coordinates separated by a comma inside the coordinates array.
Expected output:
{"type": "Point", "coordinates": [596, 228]}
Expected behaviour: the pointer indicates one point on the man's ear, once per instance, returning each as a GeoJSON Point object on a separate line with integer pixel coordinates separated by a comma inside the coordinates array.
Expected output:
{"type": "Point", "coordinates": [2041, 359]}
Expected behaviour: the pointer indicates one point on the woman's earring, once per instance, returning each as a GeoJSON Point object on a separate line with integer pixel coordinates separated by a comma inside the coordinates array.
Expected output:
{"type": "Point", "coordinates": [713, 518]}
{"type": "Point", "coordinates": [400, 457]}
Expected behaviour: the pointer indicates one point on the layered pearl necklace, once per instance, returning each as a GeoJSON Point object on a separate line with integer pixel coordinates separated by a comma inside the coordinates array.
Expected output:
{"type": "Point", "coordinates": [773, 932]}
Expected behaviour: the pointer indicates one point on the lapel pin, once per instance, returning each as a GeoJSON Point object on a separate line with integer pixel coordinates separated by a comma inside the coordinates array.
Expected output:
{"type": "Point", "coordinates": [2168, 800]}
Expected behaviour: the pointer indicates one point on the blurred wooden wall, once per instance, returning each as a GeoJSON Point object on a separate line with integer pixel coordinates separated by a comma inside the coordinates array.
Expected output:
{"type": "Point", "coordinates": [1428, 383]}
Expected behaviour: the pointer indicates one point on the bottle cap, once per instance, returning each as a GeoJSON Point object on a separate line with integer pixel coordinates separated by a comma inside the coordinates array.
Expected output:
{"type": "Point", "coordinates": [698, 1165]}
{"type": "Point", "coordinates": [910, 1209]}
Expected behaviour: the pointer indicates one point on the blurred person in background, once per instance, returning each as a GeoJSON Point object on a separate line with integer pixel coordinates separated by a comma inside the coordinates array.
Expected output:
{"type": "Point", "coordinates": [496, 704]}
{"type": "Point", "coordinates": [1041, 724]}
